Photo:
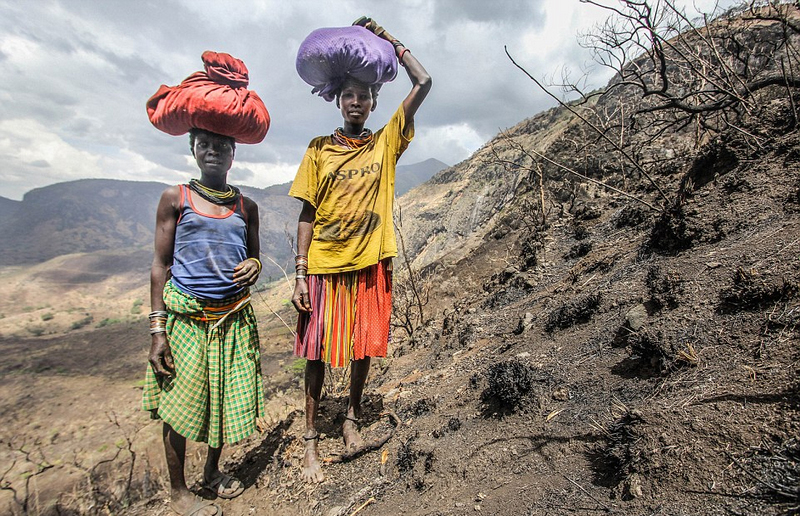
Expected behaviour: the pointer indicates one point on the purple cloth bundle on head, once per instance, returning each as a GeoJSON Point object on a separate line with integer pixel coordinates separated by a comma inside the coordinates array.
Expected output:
{"type": "Point", "coordinates": [328, 55]}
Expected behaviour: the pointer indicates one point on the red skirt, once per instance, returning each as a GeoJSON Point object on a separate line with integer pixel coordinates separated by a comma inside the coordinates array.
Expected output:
{"type": "Point", "coordinates": [349, 318]}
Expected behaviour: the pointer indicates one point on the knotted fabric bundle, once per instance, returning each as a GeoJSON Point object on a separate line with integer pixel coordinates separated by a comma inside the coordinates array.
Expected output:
{"type": "Point", "coordinates": [328, 55]}
{"type": "Point", "coordinates": [216, 100]}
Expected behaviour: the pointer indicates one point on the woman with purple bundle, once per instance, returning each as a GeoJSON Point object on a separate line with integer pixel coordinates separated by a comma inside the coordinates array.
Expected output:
{"type": "Point", "coordinates": [345, 233]}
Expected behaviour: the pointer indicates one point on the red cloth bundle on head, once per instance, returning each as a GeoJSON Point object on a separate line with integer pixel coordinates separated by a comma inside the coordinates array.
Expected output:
{"type": "Point", "coordinates": [216, 100]}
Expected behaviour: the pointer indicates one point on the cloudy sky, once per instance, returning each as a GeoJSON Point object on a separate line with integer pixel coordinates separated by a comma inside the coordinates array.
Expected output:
{"type": "Point", "coordinates": [76, 75]}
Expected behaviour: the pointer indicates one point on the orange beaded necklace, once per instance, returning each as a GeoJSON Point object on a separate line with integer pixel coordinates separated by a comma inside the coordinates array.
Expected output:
{"type": "Point", "coordinates": [352, 143]}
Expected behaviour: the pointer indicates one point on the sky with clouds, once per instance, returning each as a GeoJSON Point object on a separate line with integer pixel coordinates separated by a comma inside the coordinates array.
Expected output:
{"type": "Point", "coordinates": [77, 73]}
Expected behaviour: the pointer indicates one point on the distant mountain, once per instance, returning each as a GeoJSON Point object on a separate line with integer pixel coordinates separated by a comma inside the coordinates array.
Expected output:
{"type": "Point", "coordinates": [91, 215]}
{"type": "Point", "coordinates": [100, 214]}
{"type": "Point", "coordinates": [8, 207]}
{"type": "Point", "coordinates": [79, 216]}
{"type": "Point", "coordinates": [409, 176]}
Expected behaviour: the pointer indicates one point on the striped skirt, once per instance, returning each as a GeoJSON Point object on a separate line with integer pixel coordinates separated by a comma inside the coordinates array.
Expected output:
{"type": "Point", "coordinates": [349, 318]}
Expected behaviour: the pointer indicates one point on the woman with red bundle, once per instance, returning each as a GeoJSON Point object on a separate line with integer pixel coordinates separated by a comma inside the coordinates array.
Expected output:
{"type": "Point", "coordinates": [346, 242]}
{"type": "Point", "coordinates": [204, 381]}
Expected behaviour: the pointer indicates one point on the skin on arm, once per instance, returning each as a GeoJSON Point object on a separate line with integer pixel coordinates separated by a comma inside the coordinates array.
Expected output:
{"type": "Point", "coordinates": [420, 80]}
{"type": "Point", "coordinates": [167, 213]}
{"type": "Point", "coordinates": [246, 273]}
{"type": "Point", "coordinates": [305, 230]}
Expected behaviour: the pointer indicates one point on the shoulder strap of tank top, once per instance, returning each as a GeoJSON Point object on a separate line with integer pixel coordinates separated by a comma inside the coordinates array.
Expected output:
{"type": "Point", "coordinates": [184, 193]}
{"type": "Point", "coordinates": [240, 206]}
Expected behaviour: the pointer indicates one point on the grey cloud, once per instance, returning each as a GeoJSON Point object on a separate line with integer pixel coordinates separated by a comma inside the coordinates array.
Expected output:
{"type": "Point", "coordinates": [508, 11]}
{"type": "Point", "coordinates": [98, 63]}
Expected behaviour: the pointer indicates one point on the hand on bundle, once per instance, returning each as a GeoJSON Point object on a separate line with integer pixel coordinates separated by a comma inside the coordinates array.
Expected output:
{"type": "Point", "coordinates": [372, 26]}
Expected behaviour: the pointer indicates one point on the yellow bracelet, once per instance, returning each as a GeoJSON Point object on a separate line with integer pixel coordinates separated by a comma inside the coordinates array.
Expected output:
{"type": "Point", "coordinates": [258, 262]}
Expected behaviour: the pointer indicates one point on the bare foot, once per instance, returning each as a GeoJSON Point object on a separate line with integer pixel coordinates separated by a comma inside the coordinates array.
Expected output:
{"type": "Point", "coordinates": [312, 470]}
{"type": "Point", "coordinates": [187, 504]}
{"type": "Point", "coordinates": [352, 439]}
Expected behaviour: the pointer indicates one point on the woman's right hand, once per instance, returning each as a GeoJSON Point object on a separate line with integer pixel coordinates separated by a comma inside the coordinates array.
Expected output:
{"type": "Point", "coordinates": [301, 299]}
{"type": "Point", "coordinates": [372, 26]}
{"type": "Point", "coordinates": [160, 356]}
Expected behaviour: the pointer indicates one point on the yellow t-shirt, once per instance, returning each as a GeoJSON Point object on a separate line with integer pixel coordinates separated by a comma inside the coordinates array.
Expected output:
{"type": "Point", "coordinates": [353, 193]}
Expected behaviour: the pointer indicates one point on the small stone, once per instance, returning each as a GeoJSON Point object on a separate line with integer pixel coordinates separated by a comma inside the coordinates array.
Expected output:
{"type": "Point", "coordinates": [561, 393]}
{"type": "Point", "coordinates": [477, 508]}
{"type": "Point", "coordinates": [713, 265]}
{"type": "Point", "coordinates": [634, 486]}
{"type": "Point", "coordinates": [525, 323]}
{"type": "Point", "coordinates": [636, 317]}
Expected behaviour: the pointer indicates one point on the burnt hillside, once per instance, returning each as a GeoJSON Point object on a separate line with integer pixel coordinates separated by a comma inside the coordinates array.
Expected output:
{"type": "Point", "coordinates": [610, 318]}
{"type": "Point", "coordinates": [587, 351]}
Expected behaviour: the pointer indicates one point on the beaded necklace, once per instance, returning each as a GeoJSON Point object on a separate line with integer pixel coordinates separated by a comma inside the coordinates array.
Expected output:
{"type": "Point", "coordinates": [352, 143]}
{"type": "Point", "coordinates": [215, 196]}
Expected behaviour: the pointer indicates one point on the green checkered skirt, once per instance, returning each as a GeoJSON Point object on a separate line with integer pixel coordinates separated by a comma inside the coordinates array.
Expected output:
{"type": "Point", "coordinates": [217, 391]}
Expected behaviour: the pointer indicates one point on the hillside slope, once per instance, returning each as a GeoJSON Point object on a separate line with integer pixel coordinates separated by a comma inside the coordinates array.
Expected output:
{"type": "Point", "coordinates": [610, 361]}
{"type": "Point", "coordinates": [583, 351]}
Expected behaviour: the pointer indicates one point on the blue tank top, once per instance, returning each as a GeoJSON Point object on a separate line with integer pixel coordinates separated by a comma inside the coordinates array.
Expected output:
{"type": "Point", "coordinates": [207, 248]}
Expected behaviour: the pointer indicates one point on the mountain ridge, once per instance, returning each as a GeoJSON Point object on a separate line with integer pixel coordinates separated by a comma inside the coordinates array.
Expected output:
{"type": "Point", "coordinates": [89, 215]}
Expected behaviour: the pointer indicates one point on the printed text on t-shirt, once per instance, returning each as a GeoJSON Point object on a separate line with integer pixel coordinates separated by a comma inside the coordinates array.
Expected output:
{"type": "Point", "coordinates": [341, 174]}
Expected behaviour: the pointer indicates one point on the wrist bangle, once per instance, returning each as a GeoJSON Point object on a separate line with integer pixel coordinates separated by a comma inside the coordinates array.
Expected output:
{"type": "Point", "coordinates": [157, 330]}
{"type": "Point", "coordinates": [157, 313]}
{"type": "Point", "coordinates": [400, 57]}
{"type": "Point", "coordinates": [258, 263]}
{"type": "Point", "coordinates": [300, 276]}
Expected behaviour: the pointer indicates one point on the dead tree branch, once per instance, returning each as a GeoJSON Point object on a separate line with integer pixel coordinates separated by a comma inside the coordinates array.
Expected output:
{"type": "Point", "coordinates": [599, 131]}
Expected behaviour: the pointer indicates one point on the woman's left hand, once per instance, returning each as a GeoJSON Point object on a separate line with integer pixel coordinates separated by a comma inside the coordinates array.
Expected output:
{"type": "Point", "coordinates": [246, 273]}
